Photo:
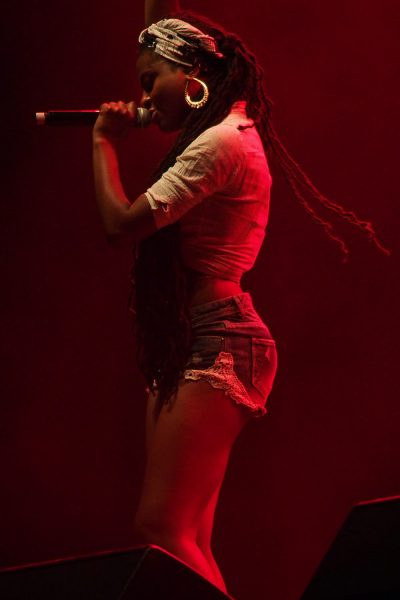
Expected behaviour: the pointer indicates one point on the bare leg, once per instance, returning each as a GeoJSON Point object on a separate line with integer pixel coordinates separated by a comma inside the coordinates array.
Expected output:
{"type": "Point", "coordinates": [204, 535]}
{"type": "Point", "coordinates": [205, 527]}
{"type": "Point", "coordinates": [188, 451]}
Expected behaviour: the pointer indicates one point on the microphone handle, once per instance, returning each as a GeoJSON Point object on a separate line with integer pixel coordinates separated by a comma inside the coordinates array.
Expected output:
{"type": "Point", "coordinates": [83, 117]}
{"type": "Point", "coordinates": [67, 117]}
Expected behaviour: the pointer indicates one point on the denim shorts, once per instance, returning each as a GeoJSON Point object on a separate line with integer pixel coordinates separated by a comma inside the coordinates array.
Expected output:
{"type": "Point", "coordinates": [233, 350]}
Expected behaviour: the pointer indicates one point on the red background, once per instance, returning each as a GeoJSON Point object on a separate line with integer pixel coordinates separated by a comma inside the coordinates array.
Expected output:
{"type": "Point", "coordinates": [72, 400]}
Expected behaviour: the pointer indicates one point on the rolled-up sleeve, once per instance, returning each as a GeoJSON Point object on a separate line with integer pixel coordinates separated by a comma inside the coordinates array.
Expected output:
{"type": "Point", "coordinates": [210, 163]}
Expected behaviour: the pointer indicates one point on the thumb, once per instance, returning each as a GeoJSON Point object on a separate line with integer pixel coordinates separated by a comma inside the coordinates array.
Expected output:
{"type": "Point", "coordinates": [132, 108]}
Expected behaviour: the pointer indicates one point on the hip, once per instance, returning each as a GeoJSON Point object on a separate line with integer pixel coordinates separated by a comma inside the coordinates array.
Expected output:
{"type": "Point", "coordinates": [233, 349]}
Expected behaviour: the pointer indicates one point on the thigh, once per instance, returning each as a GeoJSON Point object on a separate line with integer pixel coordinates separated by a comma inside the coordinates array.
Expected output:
{"type": "Point", "coordinates": [187, 456]}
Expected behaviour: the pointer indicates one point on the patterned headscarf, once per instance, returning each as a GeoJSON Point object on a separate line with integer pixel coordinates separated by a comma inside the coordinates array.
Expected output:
{"type": "Point", "coordinates": [178, 41]}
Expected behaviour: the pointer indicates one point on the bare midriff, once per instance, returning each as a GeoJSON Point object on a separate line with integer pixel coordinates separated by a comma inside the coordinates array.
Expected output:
{"type": "Point", "coordinates": [204, 288]}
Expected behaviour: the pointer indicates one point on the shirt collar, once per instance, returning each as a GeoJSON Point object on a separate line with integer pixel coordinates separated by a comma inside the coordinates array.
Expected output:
{"type": "Point", "coordinates": [238, 116]}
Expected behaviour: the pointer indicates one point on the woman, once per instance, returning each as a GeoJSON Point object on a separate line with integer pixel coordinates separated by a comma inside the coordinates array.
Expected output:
{"type": "Point", "coordinates": [208, 359]}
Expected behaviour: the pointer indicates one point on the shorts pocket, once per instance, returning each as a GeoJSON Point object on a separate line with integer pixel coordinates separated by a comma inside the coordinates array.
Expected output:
{"type": "Point", "coordinates": [264, 364]}
{"type": "Point", "coordinates": [204, 351]}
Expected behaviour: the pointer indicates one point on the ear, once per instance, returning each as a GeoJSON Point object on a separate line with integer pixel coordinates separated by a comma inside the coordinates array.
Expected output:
{"type": "Point", "coordinates": [195, 71]}
{"type": "Point", "coordinates": [199, 69]}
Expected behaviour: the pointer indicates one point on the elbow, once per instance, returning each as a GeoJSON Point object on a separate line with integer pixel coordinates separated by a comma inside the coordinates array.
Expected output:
{"type": "Point", "coordinates": [118, 235]}
{"type": "Point", "coordinates": [113, 232]}
{"type": "Point", "coordinates": [129, 226]}
{"type": "Point", "coordinates": [113, 229]}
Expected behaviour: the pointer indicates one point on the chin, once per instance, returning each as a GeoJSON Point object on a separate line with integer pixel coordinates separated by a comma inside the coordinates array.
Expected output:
{"type": "Point", "coordinates": [168, 125]}
{"type": "Point", "coordinates": [164, 127]}
{"type": "Point", "coordinates": [173, 129]}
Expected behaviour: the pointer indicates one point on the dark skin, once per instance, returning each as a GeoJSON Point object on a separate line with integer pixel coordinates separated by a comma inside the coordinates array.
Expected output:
{"type": "Point", "coordinates": [163, 86]}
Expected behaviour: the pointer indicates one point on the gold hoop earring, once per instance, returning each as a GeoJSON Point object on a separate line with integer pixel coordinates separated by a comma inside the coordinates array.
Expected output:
{"type": "Point", "coordinates": [196, 103]}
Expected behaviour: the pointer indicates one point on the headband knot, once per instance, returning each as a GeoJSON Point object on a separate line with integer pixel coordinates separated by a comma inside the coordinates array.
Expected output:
{"type": "Point", "coordinates": [229, 44]}
{"type": "Point", "coordinates": [178, 41]}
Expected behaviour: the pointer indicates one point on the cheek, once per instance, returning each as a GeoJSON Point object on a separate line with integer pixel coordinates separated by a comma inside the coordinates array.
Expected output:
{"type": "Point", "coordinates": [171, 91]}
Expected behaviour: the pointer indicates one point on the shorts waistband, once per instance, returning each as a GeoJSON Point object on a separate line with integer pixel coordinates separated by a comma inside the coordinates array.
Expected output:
{"type": "Point", "coordinates": [241, 301]}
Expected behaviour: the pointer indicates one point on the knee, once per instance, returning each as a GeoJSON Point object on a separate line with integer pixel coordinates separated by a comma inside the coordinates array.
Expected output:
{"type": "Point", "coordinates": [158, 528]}
{"type": "Point", "coordinates": [146, 526]}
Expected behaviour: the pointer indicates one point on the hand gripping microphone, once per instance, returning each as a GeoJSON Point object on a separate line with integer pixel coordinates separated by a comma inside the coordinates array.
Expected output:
{"type": "Point", "coordinates": [73, 118]}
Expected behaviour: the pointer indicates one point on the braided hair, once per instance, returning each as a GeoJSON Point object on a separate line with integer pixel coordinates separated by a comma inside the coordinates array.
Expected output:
{"type": "Point", "coordinates": [159, 282]}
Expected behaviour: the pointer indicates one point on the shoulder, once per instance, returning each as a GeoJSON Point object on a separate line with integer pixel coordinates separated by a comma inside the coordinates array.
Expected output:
{"type": "Point", "coordinates": [220, 142]}
{"type": "Point", "coordinates": [222, 134]}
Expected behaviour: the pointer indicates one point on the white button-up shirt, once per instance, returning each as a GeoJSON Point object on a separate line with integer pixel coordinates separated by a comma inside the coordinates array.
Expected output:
{"type": "Point", "coordinates": [219, 189]}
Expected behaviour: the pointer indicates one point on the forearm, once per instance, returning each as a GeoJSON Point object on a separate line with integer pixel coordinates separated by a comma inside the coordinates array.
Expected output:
{"type": "Point", "coordinates": [154, 10]}
{"type": "Point", "coordinates": [111, 199]}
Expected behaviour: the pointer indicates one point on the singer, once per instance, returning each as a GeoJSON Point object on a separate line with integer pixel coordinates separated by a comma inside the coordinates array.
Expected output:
{"type": "Point", "coordinates": [208, 359]}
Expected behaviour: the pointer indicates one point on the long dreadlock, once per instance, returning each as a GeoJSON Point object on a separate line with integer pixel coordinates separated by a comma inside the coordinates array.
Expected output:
{"type": "Point", "coordinates": [162, 316]}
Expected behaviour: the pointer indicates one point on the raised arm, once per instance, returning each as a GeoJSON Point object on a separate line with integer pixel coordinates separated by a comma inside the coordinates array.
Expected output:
{"type": "Point", "coordinates": [155, 10]}
{"type": "Point", "coordinates": [122, 218]}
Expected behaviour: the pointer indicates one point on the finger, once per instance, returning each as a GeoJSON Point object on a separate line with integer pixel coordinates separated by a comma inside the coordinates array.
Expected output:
{"type": "Point", "coordinates": [104, 107]}
{"type": "Point", "coordinates": [124, 107]}
{"type": "Point", "coordinates": [131, 106]}
{"type": "Point", "coordinates": [114, 106]}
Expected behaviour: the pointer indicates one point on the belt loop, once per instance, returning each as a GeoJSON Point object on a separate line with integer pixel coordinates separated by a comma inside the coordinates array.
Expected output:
{"type": "Point", "coordinates": [238, 301]}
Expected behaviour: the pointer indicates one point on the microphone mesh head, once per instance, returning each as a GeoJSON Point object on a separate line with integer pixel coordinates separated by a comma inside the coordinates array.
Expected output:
{"type": "Point", "coordinates": [143, 117]}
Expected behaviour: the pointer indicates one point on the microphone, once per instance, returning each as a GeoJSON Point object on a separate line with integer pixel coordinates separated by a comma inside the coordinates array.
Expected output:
{"type": "Point", "coordinates": [84, 117]}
